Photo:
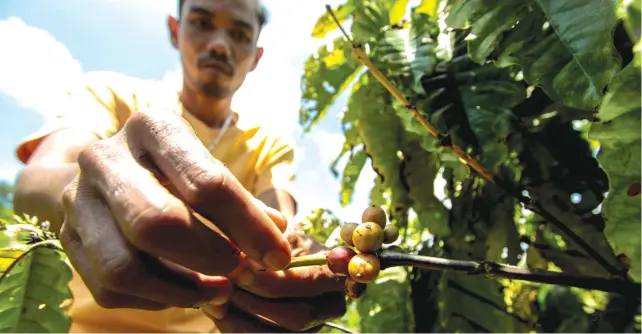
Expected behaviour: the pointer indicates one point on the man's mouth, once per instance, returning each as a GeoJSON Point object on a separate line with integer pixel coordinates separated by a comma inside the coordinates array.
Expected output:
{"type": "Point", "coordinates": [219, 66]}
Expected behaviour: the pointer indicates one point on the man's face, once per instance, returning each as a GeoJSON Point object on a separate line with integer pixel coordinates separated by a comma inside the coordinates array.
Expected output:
{"type": "Point", "coordinates": [217, 43]}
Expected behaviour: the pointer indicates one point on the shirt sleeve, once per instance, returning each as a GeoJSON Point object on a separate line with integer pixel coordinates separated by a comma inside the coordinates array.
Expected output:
{"type": "Point", "coordinates": [92, 106]}
{"type": "Point", "coordinates": [277, 170]}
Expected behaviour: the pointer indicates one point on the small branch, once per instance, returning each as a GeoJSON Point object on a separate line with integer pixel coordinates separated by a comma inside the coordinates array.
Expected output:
{"type": "Point", "coordinates": [488, 269]}
{"type": "Point", "coordinates": [528, 203]}
{"type": "Point", "coordinates": [339, 327]}
{"type": "Point", "coordinates": [496, 270]}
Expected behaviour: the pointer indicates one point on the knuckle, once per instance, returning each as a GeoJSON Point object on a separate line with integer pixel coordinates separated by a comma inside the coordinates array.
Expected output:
{"type": "Point", "coordinates": [120, 272]}
{"type": "Point", "coordinates": [69, 196]}
{"type": "Point", "coordinates": [67, 236]}
{"type": "Point", "coordinates": [92, 154]}
{"type": "Point", "coordinates": [139, 120]}
{"type": "Point", "coordinates": [106, 299]}
{"type": "Point", "coordinates": [159, 124]}
{"type": "Point", "coordinates": [206, 186]}
{"type": "Point", "coordinates": [150, 223]}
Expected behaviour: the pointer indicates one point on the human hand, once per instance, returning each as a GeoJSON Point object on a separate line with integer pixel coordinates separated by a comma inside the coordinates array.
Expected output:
{"type": "Point", "coordinates": [296, 299]}
{"type": "Point", "coordinates": [130, 231]}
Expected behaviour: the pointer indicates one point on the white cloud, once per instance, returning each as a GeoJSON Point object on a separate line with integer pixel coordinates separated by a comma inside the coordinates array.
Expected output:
{"type": "Point", "coordinates": [36, 69]}
{"type": "Point", "coordinates": [329, 144]}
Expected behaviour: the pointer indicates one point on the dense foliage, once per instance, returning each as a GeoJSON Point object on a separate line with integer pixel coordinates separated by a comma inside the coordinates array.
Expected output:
{"type": "Point", "coordinates": [546, 96]}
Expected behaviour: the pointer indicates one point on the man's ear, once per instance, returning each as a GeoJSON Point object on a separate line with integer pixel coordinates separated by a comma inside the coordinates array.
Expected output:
{"type": "Point", "coordinates": [257, 58]}
{"type": "Point", "coordinates": [172, 25]}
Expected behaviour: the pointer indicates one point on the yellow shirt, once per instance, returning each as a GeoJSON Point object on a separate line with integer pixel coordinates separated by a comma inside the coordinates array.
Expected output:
{"type": "Point", "coordinates": [258, 158]}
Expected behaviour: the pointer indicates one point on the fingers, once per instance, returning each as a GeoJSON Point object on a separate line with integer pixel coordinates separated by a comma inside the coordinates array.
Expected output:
{"type": "Point", "coordinates": [103, 296]}
{"type": "Point", "coordinates": [275, 215]}
{"type": "Point", "coordinates": [293, 314]}
{"type": "Point", "coordinates": [149, 217]}
{"type": "Point", "coordinates": [293, 282]}
{"type": "Point", "coordinates": [237, 321]}
{"type": "Point", "coordinates": [208, 187]}
{"type": "Point", "coordinates": [114, 270]}
{"type": "Point", "coordinates": [231, 319]}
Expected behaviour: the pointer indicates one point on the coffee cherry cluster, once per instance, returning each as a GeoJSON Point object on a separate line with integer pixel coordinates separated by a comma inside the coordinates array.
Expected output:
{"type": "Point", "coordinates": [359, 260]}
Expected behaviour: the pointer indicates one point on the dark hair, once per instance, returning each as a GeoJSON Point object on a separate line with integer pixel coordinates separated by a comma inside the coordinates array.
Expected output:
{"type": "Point", "coordinates": [261, 15]}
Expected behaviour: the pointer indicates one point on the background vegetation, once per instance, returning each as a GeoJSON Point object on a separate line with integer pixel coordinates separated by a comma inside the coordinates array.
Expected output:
{"type": "Point", "coordinates": [544, 94]}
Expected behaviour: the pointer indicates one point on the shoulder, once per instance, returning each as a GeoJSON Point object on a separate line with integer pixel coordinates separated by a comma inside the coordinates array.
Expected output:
{"type": "Point", "coordinates": [266, 138]}
{"type": "Point", "coordinates": [118, 89]}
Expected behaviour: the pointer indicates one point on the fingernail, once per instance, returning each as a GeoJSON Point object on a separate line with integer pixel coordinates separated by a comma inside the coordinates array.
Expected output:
{"type": "Point", "coordinates": [242, 275]}
{"type": "Point", "coordinates": [276, 259]}
{"type": "Point", "coordinates": [245, 278]}
{"type": "Point", "coordinates": [221, 298]}
{"type": "Point", "coordinates": [216, 312]}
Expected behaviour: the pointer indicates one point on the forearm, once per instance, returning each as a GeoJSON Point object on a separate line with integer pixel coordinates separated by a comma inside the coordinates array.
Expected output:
{"type": "Point", "coordinates": [38, 191]}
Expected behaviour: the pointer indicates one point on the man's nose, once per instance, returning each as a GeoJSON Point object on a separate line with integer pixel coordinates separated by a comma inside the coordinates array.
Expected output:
{"type": "Point", "coordinates": [219, 44]}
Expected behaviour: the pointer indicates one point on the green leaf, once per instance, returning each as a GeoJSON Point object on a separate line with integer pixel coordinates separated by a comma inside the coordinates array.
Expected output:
{"type": "Point", "coordinates": [327, 73]}
{"type": "Point", "coordinates": [35, 292]}
{"type": "Point", "coordinates": [370, 17]}
{"type": "Point", "coordinates": [326, 23]}
{"type": "Point", "coordinates": [428, 7]}
{"type": "Point", "coordinates": [351, 134]}
{"type": "Point", "coordinates": [382, 133]}
{"type": "Point", "coordinates": [619, 135]}
{"type": "Point", "coordinates": [563, 46]}
{"type": "Point", "coordinates": [630, 13]}
{"type": "Point", "coordinates": [502, 241]}
{"type": "Point", "coordinates": [420, 172]}
{"type": "Point", "coordinates": [351, 173]}
{"type": "Point", "coordinates": [319, 224]}
{"type": "Point", "coordinates": [472, 104]}
{"type": "Point", "coordinates": [377, 192]}
{"type": "Point", "coordinates": [398, 11]}
{"type": "Point", "coordinates": [472, 304]}
{"type": "Point", "coordinates": [386, 306]}
{"type": "Point", "coordinates": [408, 53]}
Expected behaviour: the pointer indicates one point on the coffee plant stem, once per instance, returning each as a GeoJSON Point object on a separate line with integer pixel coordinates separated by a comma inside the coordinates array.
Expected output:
{"type": "Point", "coordinates": [307, 260]}
{"type": "Point", "coordinates": [445, 142]}
{"type": "Point", "coordinates": [496, 270]}
{"type": "Point", "coordinates": [488, 269]}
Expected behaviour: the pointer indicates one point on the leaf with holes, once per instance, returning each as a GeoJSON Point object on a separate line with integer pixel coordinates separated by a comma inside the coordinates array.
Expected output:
{"type": "Point", "coordinates": [382, 133]}
{"type": "Point", "coordinates": [326, 74]}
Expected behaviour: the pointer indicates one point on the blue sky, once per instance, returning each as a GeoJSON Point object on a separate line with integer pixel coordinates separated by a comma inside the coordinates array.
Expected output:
{"type": "Point", "coordinates": [48, 44]}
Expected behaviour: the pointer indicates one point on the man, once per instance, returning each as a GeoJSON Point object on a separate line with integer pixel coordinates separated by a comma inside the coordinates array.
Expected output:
{"type": "Point", "coordinates": [138, 184]}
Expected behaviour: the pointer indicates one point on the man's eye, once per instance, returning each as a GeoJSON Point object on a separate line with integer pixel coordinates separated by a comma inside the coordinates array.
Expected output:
{"type": "Point", "coordinates": [200, 23]}
{"type": "Point", "coordinates": [240, 35]}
